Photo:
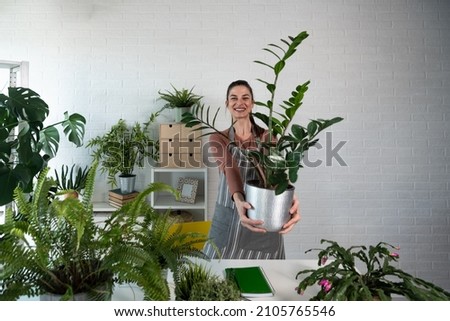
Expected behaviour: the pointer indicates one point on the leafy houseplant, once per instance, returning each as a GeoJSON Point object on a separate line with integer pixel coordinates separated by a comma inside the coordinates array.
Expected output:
{"type": "Point", "coordinates": [340, 278]}
{"type": "Point", "coordinates": [196, 283]}
{"type": "Point", "coordinates": [51, 246]}
{"type": "Point", "coordinates": [146, 246]}
{"type": "Point", "coordinates": [73, 181]}
{"type": "Point", "coordinates": [182, 100]}
{"type": "Point", "coordinates": [277, 163]}
{"type": "Point", "coordinates": [278, 159]}
{"type": "Point", "coordinates": [54, 246]}
{"type": "Point", "coordinates": [23, 156]}
{"type": "Point", "coordinates": [122, 148]}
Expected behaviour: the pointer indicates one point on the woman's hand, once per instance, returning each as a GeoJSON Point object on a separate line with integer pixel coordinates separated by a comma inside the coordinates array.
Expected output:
{"type": "Point", "coordinates": [242, 206]}
{"type": "Point", "coordinates": [295, 216]}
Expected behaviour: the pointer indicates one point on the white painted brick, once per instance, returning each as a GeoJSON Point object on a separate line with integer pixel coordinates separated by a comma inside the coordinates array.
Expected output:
{"type": "Point", "coordinates": [382, 65]}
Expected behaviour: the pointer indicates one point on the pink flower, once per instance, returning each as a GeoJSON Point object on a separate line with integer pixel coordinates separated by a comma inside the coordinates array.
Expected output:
{"type": "Point", "coordinates": [323, 260]}
{"type": "Point", "coordinates": [326, 285]}
{"type": "Point", "coordinates": [394, 254]}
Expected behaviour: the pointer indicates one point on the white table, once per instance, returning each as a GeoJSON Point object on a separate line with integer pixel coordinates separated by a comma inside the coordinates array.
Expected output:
{"type": "Point", "coordinates": [281, 274]}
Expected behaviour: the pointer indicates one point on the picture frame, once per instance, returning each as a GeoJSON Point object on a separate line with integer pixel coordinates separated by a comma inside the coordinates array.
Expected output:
{"type": "Point", "coordinates": [187, 187]}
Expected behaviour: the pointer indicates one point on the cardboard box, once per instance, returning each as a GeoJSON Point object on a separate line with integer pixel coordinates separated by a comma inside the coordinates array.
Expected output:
{"type": "Point", "coordinates": [180, 146]}
{"type": "Point", "coordinates": [184, 160]}
{"type": "Point", "coordinates": [170, 131]}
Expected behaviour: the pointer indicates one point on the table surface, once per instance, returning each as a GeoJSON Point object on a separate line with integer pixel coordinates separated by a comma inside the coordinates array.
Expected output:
{"type": "Point", "coordinates": [281, 274]}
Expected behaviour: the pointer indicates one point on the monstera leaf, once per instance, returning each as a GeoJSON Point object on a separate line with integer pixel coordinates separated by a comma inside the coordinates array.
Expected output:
{"type": "Point", "coordinates": [25, 154]}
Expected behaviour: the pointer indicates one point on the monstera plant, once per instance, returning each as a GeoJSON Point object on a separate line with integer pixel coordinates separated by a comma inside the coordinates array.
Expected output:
{"type": "Point", "coordinates": [26, 144]}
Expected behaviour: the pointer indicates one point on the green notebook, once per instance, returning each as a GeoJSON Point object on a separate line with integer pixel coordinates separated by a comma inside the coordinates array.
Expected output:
{"type": "Point", "coordinates": [251, 280]}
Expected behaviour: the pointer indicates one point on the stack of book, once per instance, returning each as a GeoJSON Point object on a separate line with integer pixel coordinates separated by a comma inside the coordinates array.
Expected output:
{"type": "Point", "coordinates": [117, 198]}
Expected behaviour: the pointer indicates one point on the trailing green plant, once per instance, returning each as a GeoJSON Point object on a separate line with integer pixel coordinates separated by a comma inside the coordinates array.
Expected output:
{"type": "Point", "coordinates": [340, 279]}
{"type": "Point", "coordinates": [176, 98]}
{"type": "Point", "coordinates": [26, 144]}
{"type": "Point", "coordinates": [123, 147]}
{"type": "Point", "coordinates": [73, 179]}
{"type": "Point", "coordinates": [147, 244]}
{"type": "Point", "coordinates": [50, 245]}
{"type": "Point", "coordinates": [278, 159]}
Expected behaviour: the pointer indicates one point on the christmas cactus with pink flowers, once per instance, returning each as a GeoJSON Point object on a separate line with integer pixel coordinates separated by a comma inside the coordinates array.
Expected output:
{"type": "Point", "coordinates": [359, 273]}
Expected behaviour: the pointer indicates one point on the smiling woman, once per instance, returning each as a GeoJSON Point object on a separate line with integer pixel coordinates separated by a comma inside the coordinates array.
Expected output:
{"type": "Point", "coordinates": [232, 231]}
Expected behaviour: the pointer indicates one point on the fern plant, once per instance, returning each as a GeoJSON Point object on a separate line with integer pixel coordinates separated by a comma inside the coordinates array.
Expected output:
{"type": "Point", "coordinates": [145, 245]}
{"type": "Point", "coordinates": [50, 245]}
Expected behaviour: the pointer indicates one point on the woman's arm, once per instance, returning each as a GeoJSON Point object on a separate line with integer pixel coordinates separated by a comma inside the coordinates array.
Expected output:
{"type": "Point", "coordinates": [227, 164]}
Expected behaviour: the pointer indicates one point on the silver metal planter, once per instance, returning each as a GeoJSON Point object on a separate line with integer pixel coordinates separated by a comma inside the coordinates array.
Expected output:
{"type": "Point", "coordinates": [268, 207]}
{"type": "Point", "coordinates": [127, 183]}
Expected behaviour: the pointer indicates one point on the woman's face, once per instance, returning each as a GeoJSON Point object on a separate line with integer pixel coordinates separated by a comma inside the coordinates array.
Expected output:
{"type": "Point", "coordinates": [239, 102]}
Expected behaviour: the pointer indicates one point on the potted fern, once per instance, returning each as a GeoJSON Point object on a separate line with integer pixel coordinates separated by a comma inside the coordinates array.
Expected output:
{"type": "Point", "coordinates": [180, 100]}
{"type": "Point", "coordinates": [145, 246]}
{"type": "Point", "coordinates": [50, 247]}
{"type": "Point", "coordinates": [279, 158]}
{"type": "Point", "coordinates": [361, 273]}
{"type": "Point", "coordinates": [53, 248]}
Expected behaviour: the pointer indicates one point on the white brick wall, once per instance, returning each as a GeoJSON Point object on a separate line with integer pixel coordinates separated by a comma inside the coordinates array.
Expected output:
{"type": "Point", "coordinates": [382, 65]}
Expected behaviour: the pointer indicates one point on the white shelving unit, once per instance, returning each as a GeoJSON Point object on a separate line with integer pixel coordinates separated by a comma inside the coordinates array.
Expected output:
{"type": "Point", "coordinates": [17, 75]}
{"type": "Point", "coordinates": [164, 201]}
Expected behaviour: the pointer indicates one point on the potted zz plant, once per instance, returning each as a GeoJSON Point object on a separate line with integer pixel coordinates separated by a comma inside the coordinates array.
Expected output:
{"type": "Point", "coordinates": [180, 100]}
{"type": "Point", "coordinates": [121, 149]}
{"type": "Point", "coordinates": [340, 277]}
{"type": "Point", "coordinates": [278, 159]}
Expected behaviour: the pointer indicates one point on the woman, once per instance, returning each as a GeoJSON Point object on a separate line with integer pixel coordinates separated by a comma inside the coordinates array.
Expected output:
{"type": "Point", "coordinates": [232, 232]}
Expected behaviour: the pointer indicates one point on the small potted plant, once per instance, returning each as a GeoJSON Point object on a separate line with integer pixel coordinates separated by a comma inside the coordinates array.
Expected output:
{"type": "Point", "coordinates": [121, 149]}
{"type": "Point", "coordinates": [72, 182]}
{"type": "Point", "coordinates": [197, 283]}
{"type": "Point", "coordinates": [341, 279]}
{"type": "Point", "coordinates": [279, 159]}
{"type": "Point", "coordinates": [180, 100]}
